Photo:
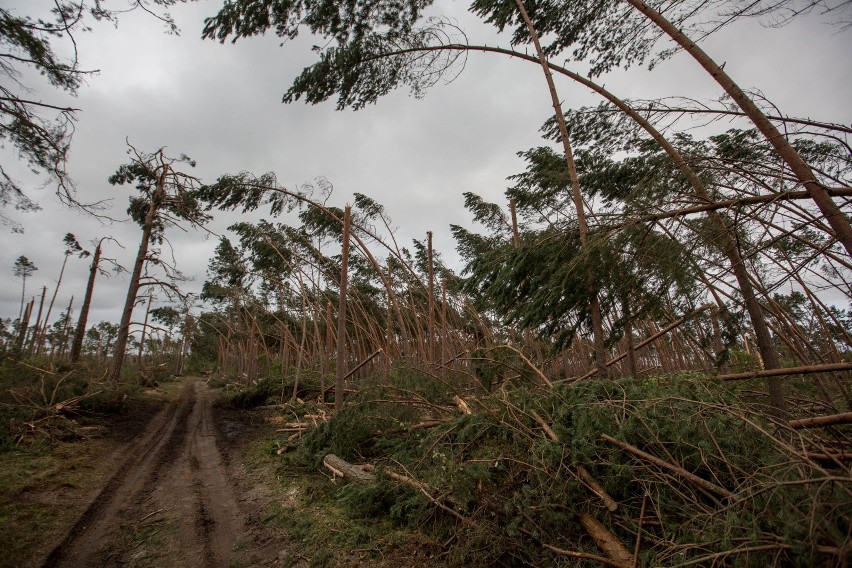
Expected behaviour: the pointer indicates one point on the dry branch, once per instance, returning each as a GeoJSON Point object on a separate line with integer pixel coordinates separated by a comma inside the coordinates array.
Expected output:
{"type": "Point", "coordinates": [700, 482]}
{"type": "Point", "coordinates": [822, 421]}
{"type": "Point", "coordinates": [805, 370]}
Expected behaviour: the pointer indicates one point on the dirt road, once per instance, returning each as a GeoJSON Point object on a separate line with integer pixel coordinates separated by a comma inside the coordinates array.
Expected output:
{"type": "Point", "coordinates": [169, 503]}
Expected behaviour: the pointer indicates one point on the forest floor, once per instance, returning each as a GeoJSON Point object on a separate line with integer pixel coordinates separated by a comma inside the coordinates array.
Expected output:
{"type": "Point", "coordinates": [164, 484]}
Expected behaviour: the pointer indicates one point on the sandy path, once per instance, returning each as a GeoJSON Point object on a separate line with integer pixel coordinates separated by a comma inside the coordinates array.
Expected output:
{"type": "Point", "coordinates": [170, 502]}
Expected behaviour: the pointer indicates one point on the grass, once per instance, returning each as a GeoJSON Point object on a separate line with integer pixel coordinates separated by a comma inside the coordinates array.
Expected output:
{"type": "Point", "coordinates": [41, 487]}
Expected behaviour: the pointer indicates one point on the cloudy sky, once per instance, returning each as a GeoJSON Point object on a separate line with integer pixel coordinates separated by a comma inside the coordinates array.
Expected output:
{"type": "Point", "coordinates": [221, 105]}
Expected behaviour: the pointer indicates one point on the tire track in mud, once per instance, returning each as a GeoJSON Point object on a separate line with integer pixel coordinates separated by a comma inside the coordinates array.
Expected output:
{"type": "Point", "coordinates": [174, 472]}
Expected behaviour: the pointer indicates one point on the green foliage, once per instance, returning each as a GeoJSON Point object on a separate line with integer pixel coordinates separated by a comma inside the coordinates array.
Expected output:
{"type": "Point", "coordinates": [259, 393]}
{"type": "Point", "coordinates": [498, 468]}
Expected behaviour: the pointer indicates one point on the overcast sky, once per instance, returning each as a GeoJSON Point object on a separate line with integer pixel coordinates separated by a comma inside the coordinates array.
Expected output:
{"type": "Point", "coordinates": [221, 105]}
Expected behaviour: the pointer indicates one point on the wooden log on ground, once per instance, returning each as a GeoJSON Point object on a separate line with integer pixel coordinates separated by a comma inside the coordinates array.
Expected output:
{"type": "Point", "coordinates": [346, 470]}
{"type": "Point", "coordinates": [822, 421]}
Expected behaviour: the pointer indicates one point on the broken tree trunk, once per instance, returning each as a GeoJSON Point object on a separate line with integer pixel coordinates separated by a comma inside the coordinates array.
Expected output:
{"type": "Point", "coordinates": [346, 470]}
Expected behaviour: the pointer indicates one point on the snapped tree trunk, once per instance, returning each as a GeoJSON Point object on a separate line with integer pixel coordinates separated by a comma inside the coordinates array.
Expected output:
{"type": "Point", "coordinates": [37, 326]}
{"type": "Point", "coordinates": [43, 332]}
{"type": "Point", "coordinates": [77, 348]}
{"type": "Point", "coordinates": [341, 314]}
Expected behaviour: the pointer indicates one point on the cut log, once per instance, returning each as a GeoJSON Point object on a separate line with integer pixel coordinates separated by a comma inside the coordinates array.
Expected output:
{"type": "Point", "coordinates": [821, 421]}
{"type": "Point", "coordinates": [346, 470]}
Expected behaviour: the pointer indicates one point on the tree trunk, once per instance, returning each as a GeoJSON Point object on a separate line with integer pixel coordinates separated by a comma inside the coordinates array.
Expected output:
{"type": "Point", "coordinates": [341, 314]}
{"type": "Point", "coordinates": [37, 326]}
{"type": "Point", "coordinates": [43, 332]}
{"type": "Point", "coordinates": [835, 217]}
{"type": "Point", "coordinates": [144, 330]}
{"type": "Point", "coordinates": [594, 303]}
{"type": "Point", "coordinates": [133, 288]}
{"type": "Point", "coordinates": [431, 301]}
{"type": "Point", "coordinates": [24, 322]}
{"type": "Point", "coordinates": [65, 332]}
{"type": "Point", "coordinates": [84, 310]}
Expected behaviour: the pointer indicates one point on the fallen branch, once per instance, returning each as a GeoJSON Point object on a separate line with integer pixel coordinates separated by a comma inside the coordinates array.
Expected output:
{"type": "Point", "coordinates": [822, 421]}
{"type": "Point", "coordinates": [703, 483]}
{"type": "Point", "coordinates": [806, 370]}
{"type": "Point", "coordinates": [583, 555]}
{"type": "Point", "coordinates": [820, 456]}
{"type": "Point", "coordinates": [529, 363]}
{"type": "Point", "coordinates": [425, 490]}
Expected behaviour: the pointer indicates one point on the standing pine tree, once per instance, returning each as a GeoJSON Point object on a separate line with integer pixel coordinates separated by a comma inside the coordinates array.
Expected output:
{"type": "Point", "coordinates": [24, 268]}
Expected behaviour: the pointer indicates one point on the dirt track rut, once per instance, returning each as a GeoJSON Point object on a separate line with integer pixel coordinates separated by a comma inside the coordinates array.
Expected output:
{"type": "Point", "coordinates": [169, 503]}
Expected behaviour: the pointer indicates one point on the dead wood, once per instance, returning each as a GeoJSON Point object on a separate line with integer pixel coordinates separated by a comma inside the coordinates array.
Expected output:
{"type": "Point", "coordinates": [583, 555]}
{"type": "Point", "coordinates": [700, 482]}
{"type": "Point", "coordinates": [606, 541]}
{"type": "Point", "coordinates": [346, 470]}
{"type": "Point", "coordinates": [822, 421]}
{"type": "Point", "coordinates": [805, 370]}
{"type": "Point", "coordinates": [641, 344]}
{"type": "Point", "coordinates": [544, 425]}
{"type": "Point", "coordinates": [596, 488]}
{"type": "Point", "coordinates": [462, 405]}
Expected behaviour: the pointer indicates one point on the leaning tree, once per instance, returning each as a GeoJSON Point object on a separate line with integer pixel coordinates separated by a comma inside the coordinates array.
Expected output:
{"type": "Point", "coordinates": [166, 197]}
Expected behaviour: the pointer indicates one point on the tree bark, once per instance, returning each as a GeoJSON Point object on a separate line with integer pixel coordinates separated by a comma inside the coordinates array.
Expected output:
{"type": "Point", "coordinates": [341, 313]}
{"type": "Point", "coordinates": [594, 303]}
{"type": "Point", "coordinates": [133, 287]}
{"type": "Point", "coordinates": [77, 348]}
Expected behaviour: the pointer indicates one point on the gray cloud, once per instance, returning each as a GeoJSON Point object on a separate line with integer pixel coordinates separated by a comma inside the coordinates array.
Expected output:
{"type": "Point", "coordinates": [220, 104]}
